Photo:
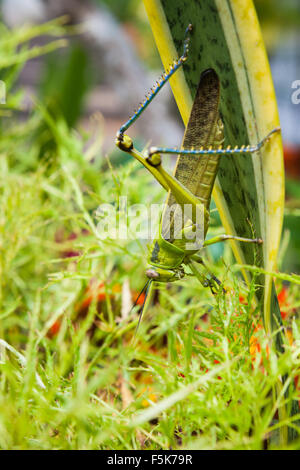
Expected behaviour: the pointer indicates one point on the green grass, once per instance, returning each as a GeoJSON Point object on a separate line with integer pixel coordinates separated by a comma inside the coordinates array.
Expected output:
{"type": "Point", "coordinates": [83, 390]}
{"type": "Point", "coordinates": [188, 380]}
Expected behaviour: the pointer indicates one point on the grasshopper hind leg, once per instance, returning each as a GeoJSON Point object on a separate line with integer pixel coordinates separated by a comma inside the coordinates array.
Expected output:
{"type": "Point", "coordinates": [211, 151]}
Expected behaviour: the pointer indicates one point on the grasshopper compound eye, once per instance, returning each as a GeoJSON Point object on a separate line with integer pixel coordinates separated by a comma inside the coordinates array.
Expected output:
{"type": "Point", "coordinates": [163, 275]}
{"type": "Point", "coordinates": [152, 274]}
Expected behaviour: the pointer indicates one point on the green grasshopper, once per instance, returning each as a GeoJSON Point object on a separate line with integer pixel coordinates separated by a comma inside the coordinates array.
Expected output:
{"type": "Point", "coordinates": [192, 183]}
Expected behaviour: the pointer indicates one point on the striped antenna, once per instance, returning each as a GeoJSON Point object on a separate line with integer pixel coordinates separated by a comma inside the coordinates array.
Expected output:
{"type": "Point", "coordinates": [159, 84]}
{"type": "Point", "coordinates": [142, 291]}
{"type": "Point", "coordinates": [146, 287]}
{"type": "Point", "coordinates": [209, 151]}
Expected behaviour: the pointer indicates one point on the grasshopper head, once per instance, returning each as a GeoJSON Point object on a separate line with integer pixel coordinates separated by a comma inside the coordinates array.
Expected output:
{"type": "Point", "coordinates": [164, 275]}
{"type": "Point", "coordinates": [165, 261]}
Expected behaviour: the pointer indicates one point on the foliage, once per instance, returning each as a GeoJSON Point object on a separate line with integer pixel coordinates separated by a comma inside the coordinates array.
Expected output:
{"type": "Point", "coordinates": [71, 376]}
{"type": "Point", "coordinates": [284, 14]}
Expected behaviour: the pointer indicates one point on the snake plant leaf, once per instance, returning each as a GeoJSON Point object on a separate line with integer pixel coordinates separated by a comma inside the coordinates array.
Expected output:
{"type": "Point", "coordinates": [249, 190]}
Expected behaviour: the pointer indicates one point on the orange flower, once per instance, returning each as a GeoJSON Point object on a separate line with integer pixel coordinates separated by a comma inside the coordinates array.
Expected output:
{"type": "Point", "coordinates": [147, 390]}
{"type": "Point", "coordinates": [297, 386]}
{"type": "Point", "coordinates": [54, 329]}
{"type": "Point", "coordinates": [94, 291]}
{"type": "Point", "coordinates": [292, 159]}
{"type": "Point", "coordinates": [242, 300]}
{"type": "Point", "coordinates": [282, 300]}
{"type": "Point", "coordinates": [151, 397]}
{"type": "Point", "coordinates": [97, 291]}
{"type": "Point", "coordinates": [138, 298]}
{"type": "Point", "coordinates": [255, 346]}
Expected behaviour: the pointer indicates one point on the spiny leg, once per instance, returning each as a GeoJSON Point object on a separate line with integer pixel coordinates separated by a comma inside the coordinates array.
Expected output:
{"type": "Point", "coordinates": [153, 161]}
{"type": "Point", "coordinates": [223, 238]}
{"type": "Point", "coordinates": [155, 90]}
{"type": "Point", "coordinates": [148, 290]}
{"type": "Point", "coordinates": [154, 151]}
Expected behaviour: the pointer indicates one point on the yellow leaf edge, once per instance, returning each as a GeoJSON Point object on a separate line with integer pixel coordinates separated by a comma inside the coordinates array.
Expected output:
{"type": "Point", "coordinates": [271, 202]}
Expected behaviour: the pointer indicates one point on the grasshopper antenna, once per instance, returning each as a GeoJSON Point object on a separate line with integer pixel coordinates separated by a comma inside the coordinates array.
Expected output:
{"type": "Point", "coordinates": [141, 293]}
{"type": "Point", "coordinates": [123, 141]}
{"type": "Point", "coordinates": [145, 288]}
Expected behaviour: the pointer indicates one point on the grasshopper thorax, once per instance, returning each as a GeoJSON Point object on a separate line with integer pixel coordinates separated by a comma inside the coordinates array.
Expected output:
{"type": "Point", "coordinates": [165, 261]}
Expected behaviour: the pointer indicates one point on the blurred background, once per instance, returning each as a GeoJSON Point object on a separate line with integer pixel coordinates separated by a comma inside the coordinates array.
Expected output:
{"type": "Point", "coordinates": [111, 61]}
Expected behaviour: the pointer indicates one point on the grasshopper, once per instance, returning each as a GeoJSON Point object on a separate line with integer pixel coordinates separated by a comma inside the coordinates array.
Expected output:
{"type": "Point", "coordinates": [191, 185]}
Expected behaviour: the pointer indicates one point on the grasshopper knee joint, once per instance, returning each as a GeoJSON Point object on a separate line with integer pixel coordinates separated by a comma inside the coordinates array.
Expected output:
{"type": "Point", "coordinates": [154, 158]}
{"type": "Point", "coordinates": [124, 142]}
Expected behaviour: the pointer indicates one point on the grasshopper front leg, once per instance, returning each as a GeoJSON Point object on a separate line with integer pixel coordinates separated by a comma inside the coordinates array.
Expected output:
{"type": "Point", "coordinates": [224, 237]}
{"type": "Point", "coordinates": [153, 151]}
